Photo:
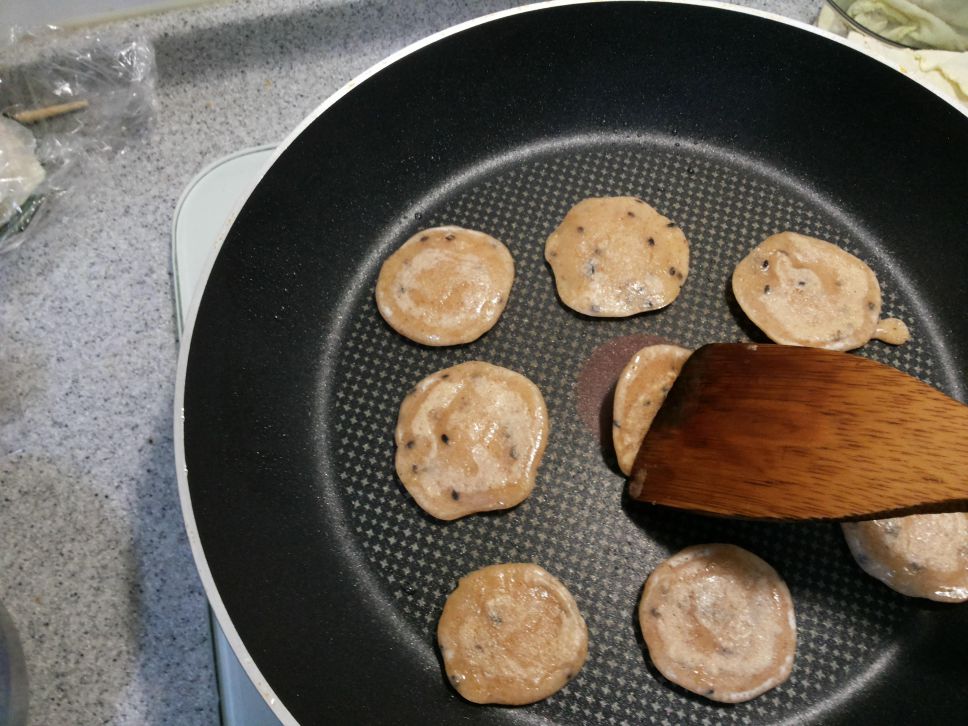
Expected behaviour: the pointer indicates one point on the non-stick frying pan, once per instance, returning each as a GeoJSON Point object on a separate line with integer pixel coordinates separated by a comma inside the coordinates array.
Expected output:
{"type": "Point", "coordinates": [327, 577]}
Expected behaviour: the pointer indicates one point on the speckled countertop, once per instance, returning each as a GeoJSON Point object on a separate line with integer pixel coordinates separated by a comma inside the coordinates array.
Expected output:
{"type": "Point", "coordinates": [95, 568]}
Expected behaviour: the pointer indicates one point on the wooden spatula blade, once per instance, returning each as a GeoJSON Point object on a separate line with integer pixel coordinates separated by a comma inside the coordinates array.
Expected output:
{"type": "Point", "coordinates": [784, 433]}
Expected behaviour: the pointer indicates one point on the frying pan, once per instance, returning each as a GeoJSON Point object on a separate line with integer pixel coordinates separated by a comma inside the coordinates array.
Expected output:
{"type": "Point", "coordinates": [327, 578]}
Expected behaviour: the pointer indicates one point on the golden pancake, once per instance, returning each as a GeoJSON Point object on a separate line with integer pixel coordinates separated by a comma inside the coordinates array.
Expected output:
{"type": "Point", "coordinates": [511, 634]}
{"type": "Point", "coordinates": [445, 286]}
{"type": "Point", "coordinates": [617, 256]}
{"type": "Point", "coordinates": [470, 439]}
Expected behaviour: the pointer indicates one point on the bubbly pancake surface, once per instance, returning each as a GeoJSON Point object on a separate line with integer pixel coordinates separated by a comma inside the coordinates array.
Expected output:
{"type": "Point", "coordinates": [640, 391]}
{"type": "Point", "coordinates": [804, 291]}
{"type": "Point", "coordinates": [445, 286]}
{"type": "Point", "coordinates": [470, 439]}
{"type": "Point", "coordinates": [617, 256]}
{"type": "Point", "coordinates": [511, 634]}
{"type": "Point", "coordinates": [719, 622]}
{"type": "Point", "coordinates": [923, 555]}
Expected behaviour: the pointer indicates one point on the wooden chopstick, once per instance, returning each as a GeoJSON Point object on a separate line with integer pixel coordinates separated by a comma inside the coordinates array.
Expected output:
{"type": "Point", "coordinates": [39, 114]}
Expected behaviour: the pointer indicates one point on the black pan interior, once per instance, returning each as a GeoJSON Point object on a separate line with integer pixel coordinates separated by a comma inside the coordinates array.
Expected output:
{"type": "Point", "coordinates": [733, 125]}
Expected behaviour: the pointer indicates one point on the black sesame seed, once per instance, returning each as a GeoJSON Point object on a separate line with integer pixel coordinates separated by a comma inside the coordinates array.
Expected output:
{"type": "Point", "coordinates": [413, 468]}
{"type": "Point", "coordinates": [424, 238]}
{"type": "Point", "coordinates": [454, 494]}
{"type": "Point", "coordinates": [401, 289]}
{"type": "Point", "coordinates": [801, 283]}
{"type": "Point", "coordinates": [654, 613]}
{"type": "Point", "coordinates": [766, 265]}
{"type": "Point", "coordinates": [616, 423]}
{"type": "Point", "coordinates": [446, 375]}
{"type": "Point", "coordinates": [445, 438]}
{"type": "Point", "coordinates": [672, 271]}
{"type": "Point", "coordinates": [766, 289]}
{"type": "Point", "coordinates": [580, 229]}
{"type": "Point", "coordinates": [514, 453]}
{"type": "Point", "coordinates": [631, 214]}
{"type": "Point", "coordinates": [411, 444]}
{"type": "Point", "coordinates": [671, 224]}
{"type": "Point", "coordinates": [449, 237]}
{"type": "Point", "coordinates": [651, 242]}
{"type": "Point", "coordinates": [871, 306]}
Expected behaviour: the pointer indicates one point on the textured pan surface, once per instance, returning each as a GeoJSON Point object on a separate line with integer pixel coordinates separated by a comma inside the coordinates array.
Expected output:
{"type": "Point", "coordinates": [333, 577]}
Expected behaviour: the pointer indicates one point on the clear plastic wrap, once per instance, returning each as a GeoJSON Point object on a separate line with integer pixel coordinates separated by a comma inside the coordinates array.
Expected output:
{"type": "Point", "coordinates": [70, 102]}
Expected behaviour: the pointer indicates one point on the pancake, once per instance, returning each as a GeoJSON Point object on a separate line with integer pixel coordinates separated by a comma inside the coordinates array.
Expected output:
{"type": "Point", "coordinates": [923, 555]}
{"type": "Point", "coordinates": [470, 439]}
{"type": "Point", "coordinates": [511, 634]}
{"type": "Point", "coordinates": [639, 393]}
{"type": "Point", "coordinates": [719, 622]}
{"type": "Point", "coordinates": [803, 291]}
{"type": "Point", "coordinates": [617, 256]}
{"type": "Point", "coordinates": [445, 286]}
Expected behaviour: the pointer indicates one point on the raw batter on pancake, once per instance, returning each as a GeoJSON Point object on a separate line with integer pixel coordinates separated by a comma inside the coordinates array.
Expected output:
{"type": "Point", "coordinates": [470, 439]}
{"type": "Point", "coordinates": [640, 391]}
{"type": "Point", "coordinates": [719, 622]}
{"type": "Point", "coordinates": [445, 286]}
{"type": "Point", "coordinates": [511, 634]}
{"type": "Point", "coordinates": [617, 256]}
{"type": "Point", "coordinates": [924, 555]}
{"type": "Point", "coordinates": [803, 291]}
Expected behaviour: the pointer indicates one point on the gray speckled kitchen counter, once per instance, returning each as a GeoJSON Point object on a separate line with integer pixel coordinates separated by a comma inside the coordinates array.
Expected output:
{"type": "Point", "coordinates": [95, 568]}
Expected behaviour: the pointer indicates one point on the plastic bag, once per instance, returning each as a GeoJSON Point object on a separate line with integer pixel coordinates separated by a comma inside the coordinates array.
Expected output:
{"type": "Point", "coordinates": [80, 99]}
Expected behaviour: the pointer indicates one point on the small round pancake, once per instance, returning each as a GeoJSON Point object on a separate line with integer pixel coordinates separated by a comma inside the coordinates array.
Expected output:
{"type": "Point", "coordinates": [923, 555]}
{"type": "Point", "coordinates": [719, 622]}
{"type": "Point", "coordinates": [511, 634]}
{"type": "Point", "coordinates": [445, 286]}
{"type": "Point", "coordinates": [470, 439]}
{"type": "Point", "coordinates": [803, 291]}
{"type": "Point", "coordinates": [640, 391]}
{"type": "Point", "coordinates": [617, 256]}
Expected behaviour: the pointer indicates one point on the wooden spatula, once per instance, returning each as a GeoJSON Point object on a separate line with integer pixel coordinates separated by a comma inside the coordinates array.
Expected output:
{"type": "Point", "coordinates": [785, 433]}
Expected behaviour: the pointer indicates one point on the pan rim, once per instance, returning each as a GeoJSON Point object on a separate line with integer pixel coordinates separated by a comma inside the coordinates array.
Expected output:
{"type": "Point", "coordinates": [198, 554]}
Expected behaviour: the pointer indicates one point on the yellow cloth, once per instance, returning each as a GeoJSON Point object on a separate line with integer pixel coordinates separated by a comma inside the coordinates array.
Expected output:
{"type": "Point", "coordinates": [944, 71]}
{"type": "Point", "coordinates": [941, 24]}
